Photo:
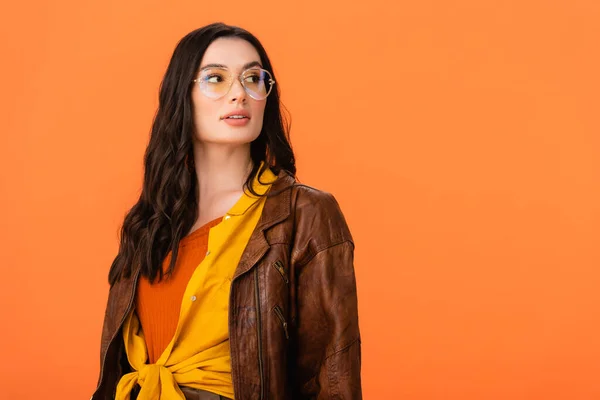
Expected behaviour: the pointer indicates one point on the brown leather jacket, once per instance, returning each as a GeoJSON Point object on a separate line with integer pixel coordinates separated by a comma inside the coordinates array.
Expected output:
{"type": "Point", "coordinates": [293, 317]}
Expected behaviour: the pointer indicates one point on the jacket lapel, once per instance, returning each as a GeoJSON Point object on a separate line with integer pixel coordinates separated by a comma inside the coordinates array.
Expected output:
{"type": "Point", "coordinates": [277, 208]}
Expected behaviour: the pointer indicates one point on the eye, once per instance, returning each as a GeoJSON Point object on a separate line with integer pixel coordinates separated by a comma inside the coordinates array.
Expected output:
{"type": "Point", "coordinates": [213, 78]}
{"type": "Point", "coordinates": [252, 77]}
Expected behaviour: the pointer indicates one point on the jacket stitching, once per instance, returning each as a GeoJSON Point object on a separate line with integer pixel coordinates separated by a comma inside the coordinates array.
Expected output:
{"type": "Point", "coordinates": [352, 343]}
{"type": "Point", "coordinates": [324, 248]}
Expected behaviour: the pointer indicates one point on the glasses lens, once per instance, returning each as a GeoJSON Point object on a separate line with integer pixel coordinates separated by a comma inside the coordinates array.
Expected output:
{"type": "Point", "coordinates": [215, 82]}
{"type": "Point", "coordinates": [257, 83]}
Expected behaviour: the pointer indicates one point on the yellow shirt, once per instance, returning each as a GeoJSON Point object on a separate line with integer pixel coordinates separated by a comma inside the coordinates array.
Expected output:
{"type": "Point", "coordinates": [198, 355]}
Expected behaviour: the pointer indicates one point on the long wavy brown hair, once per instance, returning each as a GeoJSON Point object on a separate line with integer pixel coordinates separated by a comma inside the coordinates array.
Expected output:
{"type": "Point", "coordinates": [168, 204]}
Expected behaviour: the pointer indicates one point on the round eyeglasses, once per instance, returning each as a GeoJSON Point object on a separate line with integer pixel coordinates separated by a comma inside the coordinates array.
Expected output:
{"type": "Point", "coordinates": [216, 82]}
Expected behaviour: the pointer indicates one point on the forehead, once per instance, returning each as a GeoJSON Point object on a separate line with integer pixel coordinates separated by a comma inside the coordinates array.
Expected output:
{"type": "Point", "coordinates": [231, 52]}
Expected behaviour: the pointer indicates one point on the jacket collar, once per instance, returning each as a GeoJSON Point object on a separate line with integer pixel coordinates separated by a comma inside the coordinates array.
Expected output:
{"type": "Point", "coordinates": [278, 203]}
{"type": "Point", "coordinates": [277, 208]}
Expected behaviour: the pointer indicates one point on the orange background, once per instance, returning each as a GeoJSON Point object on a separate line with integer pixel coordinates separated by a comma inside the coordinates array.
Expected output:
{"type": "Point", "coordinates": [461, 139]}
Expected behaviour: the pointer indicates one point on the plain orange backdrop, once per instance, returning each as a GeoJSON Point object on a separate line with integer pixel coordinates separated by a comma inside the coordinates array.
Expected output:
{"type": "Point", "coordinates": [461, 138]}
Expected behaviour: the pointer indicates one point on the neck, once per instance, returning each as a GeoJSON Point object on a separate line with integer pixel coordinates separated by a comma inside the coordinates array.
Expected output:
{"type": "Point", "coordinates": [221, 168]}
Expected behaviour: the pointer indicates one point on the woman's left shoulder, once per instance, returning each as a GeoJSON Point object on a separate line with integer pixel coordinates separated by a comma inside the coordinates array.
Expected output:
{"type": "Point", "coordinates": [318, 211]}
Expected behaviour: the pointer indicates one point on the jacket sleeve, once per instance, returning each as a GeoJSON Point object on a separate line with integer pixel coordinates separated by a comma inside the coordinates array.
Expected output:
{"type": "Point", "coordinates": [328, 345]}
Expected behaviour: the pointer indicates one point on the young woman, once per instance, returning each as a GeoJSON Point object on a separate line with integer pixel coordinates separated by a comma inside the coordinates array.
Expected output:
{"type": "Point", "coordinates": [232, 279]}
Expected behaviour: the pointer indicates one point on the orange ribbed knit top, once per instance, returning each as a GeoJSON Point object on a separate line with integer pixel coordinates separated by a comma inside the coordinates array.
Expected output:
{"type": "Point", "coordinates": [158, 304]}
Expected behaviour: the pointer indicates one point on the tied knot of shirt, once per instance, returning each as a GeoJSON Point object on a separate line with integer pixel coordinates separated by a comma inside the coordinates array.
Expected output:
{"type": "Point", "coordinates": [156, 381]}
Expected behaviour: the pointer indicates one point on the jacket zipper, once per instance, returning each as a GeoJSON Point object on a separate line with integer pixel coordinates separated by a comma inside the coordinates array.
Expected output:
{"type": "Point", "coordinates": [278, 265]}
{"type": "Point", "coordinates": [279, 314]}
{"type": "Point", "coordinates": [135, 281]}
{"type": "Point", "coordinates": [259, 331]}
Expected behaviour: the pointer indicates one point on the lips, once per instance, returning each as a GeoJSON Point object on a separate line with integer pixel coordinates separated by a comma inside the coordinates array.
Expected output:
{"type": "Point", "coordinates": [238, 114]}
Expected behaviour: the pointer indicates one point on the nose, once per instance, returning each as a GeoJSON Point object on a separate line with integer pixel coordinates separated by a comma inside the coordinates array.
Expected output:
{"type": "Point", "coordinates": [237, 92]}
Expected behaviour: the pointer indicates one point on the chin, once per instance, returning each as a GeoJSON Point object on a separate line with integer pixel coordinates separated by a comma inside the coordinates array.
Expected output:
{"type": "Point", "coordinates": [237, 138]}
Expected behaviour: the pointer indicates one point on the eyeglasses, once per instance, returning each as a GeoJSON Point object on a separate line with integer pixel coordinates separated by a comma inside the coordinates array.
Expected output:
{"type": "Point", "coordinates": [216, 82]}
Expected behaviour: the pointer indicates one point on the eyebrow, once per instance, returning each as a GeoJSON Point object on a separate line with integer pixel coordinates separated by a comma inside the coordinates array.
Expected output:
{"type": "Point", "coordinates": [244, 67]}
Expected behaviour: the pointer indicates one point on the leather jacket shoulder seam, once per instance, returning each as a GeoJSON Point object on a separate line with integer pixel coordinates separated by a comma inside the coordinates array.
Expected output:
{"type": "Point", "coordinates": [327, 247]}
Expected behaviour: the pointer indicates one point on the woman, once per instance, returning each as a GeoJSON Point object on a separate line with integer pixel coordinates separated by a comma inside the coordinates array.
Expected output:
{"type": "Point", "coordinates": [232, 280]}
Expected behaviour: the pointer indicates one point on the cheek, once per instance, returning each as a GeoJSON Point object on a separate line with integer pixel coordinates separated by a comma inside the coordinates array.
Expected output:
{"type": "Point", "coordinates": [204, 111]}
{"type": "Point", "coordinates": [259, 110]}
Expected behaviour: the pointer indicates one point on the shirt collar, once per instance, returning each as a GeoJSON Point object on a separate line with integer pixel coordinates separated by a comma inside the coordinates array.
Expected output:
{"type": "Point", "coordinates": [248, 199]}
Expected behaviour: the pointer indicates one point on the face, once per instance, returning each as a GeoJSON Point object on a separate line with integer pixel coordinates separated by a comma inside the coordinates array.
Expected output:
{"type": "Point", "coordinates": [211, 126]}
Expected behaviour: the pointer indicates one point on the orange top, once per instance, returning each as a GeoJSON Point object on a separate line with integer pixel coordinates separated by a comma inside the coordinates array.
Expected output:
{"type": "Point", "coordinates": [158, 305]}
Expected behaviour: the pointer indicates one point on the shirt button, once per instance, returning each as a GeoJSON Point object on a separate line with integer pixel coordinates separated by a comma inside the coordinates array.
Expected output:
{"type": "Point", "coordinates": [193, 298]}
